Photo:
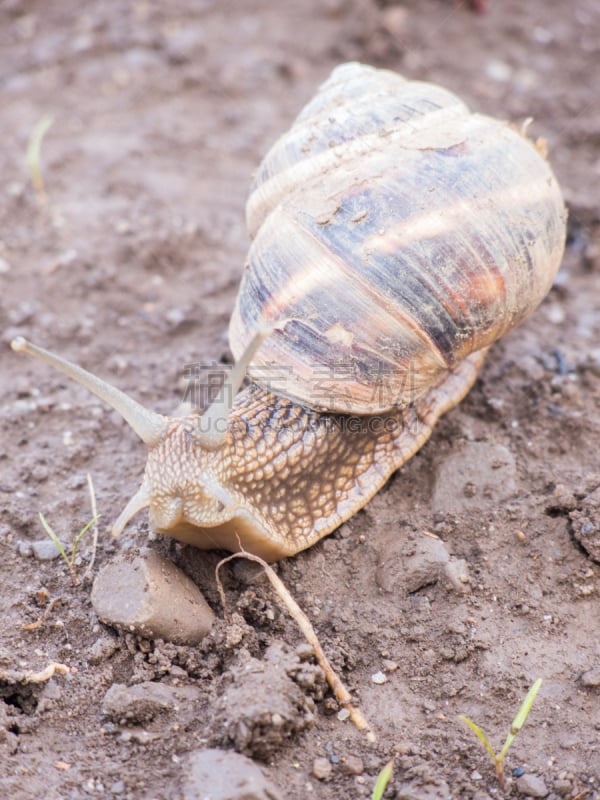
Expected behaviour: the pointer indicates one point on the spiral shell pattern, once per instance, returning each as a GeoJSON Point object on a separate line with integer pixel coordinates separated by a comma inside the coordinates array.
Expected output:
{"type": "Point", "coordinates": [394, 233]}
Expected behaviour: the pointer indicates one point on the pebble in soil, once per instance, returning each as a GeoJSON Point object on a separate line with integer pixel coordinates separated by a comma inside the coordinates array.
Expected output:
{"type": "Point", "coordinates": [150, 596]}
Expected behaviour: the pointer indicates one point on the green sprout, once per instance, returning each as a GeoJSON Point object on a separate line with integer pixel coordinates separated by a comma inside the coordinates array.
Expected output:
{"type": "Point", "coordinates": [515, 727]}
{"type": "Point", "coordinates": [34, 148]}
{"type": "Point", "coordinates": [69, 560]}
{"type": "Point", "coordinates": [382, 781]}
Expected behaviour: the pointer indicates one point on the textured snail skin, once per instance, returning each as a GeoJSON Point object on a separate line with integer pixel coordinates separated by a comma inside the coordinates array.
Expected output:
{"type": "Point", "coordinates": [286, 476]}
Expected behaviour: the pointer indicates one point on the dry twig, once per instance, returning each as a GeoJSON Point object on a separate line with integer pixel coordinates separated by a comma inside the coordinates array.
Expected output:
{"type": "Point", "coordinates": [12, 676]}
{"type": "Point", "coordinates": [51, 605]}
{"type": "Point", "coordinates": [342, 694]}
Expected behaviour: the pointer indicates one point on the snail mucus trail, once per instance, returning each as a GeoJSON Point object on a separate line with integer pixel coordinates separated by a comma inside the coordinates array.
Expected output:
{"type": "Point", "coordinates": [394, 233]}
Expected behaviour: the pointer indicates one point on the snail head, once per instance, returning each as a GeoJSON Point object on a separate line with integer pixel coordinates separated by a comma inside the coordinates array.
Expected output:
{"type": "Point", "coordinates": [182, 485]}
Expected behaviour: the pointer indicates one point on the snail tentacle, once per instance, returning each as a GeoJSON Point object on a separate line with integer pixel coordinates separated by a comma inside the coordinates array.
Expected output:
{"type": "Point", "coordinates": [148, 425]}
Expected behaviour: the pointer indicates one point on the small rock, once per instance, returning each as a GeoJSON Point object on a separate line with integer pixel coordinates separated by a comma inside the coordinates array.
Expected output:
{"type": "Point", "coordinates": [562, 786]}
{"type": "Point", "coordinates": [424, 789]}
{"type": "Point", "coordinates": [322, 768]}
{"type": "Point", "coordinates": [150, 596]}
{"type": "Point", "coordinates": [378, 678]}
{"type": "Point", "coordinates": [229, 775]}
{"type": "Point", "coordinates": [25, 549]}
{"type": "Point", "coordinates": [102, 649]}
{"type": "Point", "coordinates": [457, 572]}
{"type": "Point", "coordinates": [352, 765]}
{"type": "Point", "coordinates": [139, 735]}
{"type": "Point", "coordinates": [498, 71]}
{"type": "Point", "coordinates": [424, 566]}
{"type": "Point", "coordinates": [45, 550]}
{"type": "Point", "coordinates": [142, 702]}
{"type": "Point", "coordinates": [531, 785]}
{"type": "Point", "coordinates": [408, 566]}
{"type": "Point", "coordinates": [175, 317]}
{"type": "Point", "coordinates": [4, 266]}
{"type": "Point", "coordinates": [50, 695]}
{"type": "Point", "coordinates": [76, 482]}
{"type": "Point", "coordinates": [585, 525]}
{"type": "Point", "coordinates": [117, 788]}
{"type": "Point", "coordinates": [591, 678]}
{"type": "Point", "coordinates": [39, 473]}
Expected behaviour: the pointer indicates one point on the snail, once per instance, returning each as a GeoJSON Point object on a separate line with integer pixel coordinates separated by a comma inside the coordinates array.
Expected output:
{"type": "Point", "coordinates": [395, 236]}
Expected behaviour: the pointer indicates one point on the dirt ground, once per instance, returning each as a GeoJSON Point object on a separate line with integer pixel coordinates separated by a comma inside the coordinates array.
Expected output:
{"type": "Point", "coordinates": [161, 113]}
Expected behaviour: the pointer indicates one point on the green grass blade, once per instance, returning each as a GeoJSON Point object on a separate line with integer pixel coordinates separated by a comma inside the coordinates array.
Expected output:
{"type": "Point", "coordinates": [520, 717]}
{"type": "Point", "coordinates": [382, 781]}
{"type": "Point", "coordinates": [81, 534]}
{"type": "Point", "coordinates": [54, 538]}
{"type": "Point", "coordinates": [480, 735]}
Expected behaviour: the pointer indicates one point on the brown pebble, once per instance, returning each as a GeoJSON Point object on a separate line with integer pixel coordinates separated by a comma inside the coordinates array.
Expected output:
{"type": "Point", "coordinates": [352, 765]}
{"type": "Point", "coordinates": [591, 678]}
{"type": "Point", "coordinates": [144, 701]}
{"type": "Point", "coordinates": [228, 775]}
{"type": "Point", "coordinates": [531, 785]}
{"type": "Point", "coordinates": [150, 596]}
{"type": "Point", "coordinates": [322, 768]}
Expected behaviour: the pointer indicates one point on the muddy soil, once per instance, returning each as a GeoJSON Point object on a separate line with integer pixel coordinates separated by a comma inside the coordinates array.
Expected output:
{"type": "Point", "coordinates": [161, 112]}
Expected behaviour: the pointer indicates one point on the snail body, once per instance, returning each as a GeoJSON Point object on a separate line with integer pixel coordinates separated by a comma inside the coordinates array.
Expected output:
{"type": "Point", "coordinates": [395, 235]}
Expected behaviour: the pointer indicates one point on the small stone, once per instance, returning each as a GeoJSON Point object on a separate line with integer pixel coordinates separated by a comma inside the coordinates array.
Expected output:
{"type": "Point", "coordinates": [322, 768]}
{"type": "Point", "coordinates": [343, 714]}
{"type": "Point", "coordinates": [426, 788]}
{"type": "Point", "coordinates": [498, 71]}
{"type": "Point", "coordinates": [457, 572]}
{"type": "Point", "coordinates": [408, 566]}
{"type": "Point", "coordinates": [352, 765]}
{"type": "Point", "coordinates": [229, 775]}
{"type": "Point", "coordinates": [591, 678]}
{"type": "Point", "coordinates": [102, 649]}
{"type": "Point", "coordinates": [25, 549]}
{"type": "Point", "coordinates": [76, 482]}
{"type": "Point", "coordinates": [4, 266]}
{"type": "Point", "coordinates": [379, 678]}
{"type": "Point", "coordinates": [175, 317]}
{"type": "Point", "coordinates": [39, 473]}
{"type": "Point", "coordinates": [139, 735]}
{"type": "Point", "coordinates": [150, 596]}
{"type": "Point", "coordinates": [45, 550]}
{"type": "Point", "coordinates": [531, 785]}
{"type": "Point", "coordinates": [562, 786]}
{"type": "Point", "coordinates": [117, 788]}
{"type": "Point", "coordinates": [304, 651]}
{"type": "Point", "coordinates": [142, 702]}
{"type": "Point", "coordinates": [50, 695]}
{"type": "Point", "coordinates": [476, 776]}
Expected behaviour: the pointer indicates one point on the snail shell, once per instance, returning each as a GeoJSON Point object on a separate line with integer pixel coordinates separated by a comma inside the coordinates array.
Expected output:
{"type": "Point", "coordinates": [395, 232]}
